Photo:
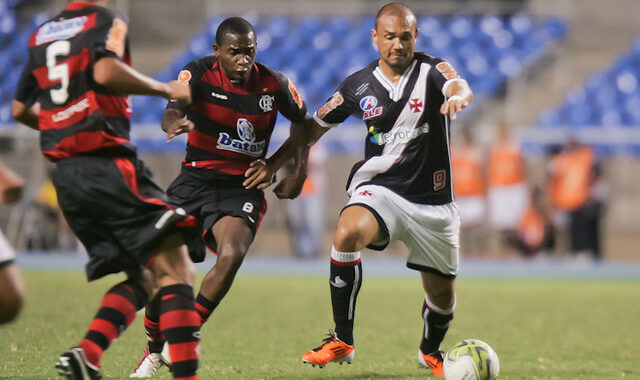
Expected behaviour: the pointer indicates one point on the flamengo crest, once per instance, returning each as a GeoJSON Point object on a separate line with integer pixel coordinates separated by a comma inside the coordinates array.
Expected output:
{"type": "Point", "coordinates": [266, 102]}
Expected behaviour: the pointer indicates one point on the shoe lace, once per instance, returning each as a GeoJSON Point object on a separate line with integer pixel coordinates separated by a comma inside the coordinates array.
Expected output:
{"type": "Point", "coordinates": [331, 336]}
{"type": "Point", "coordinates": [146, 354]}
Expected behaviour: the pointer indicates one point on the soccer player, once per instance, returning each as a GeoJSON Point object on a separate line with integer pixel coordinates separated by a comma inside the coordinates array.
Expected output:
{"type": "Point", "coordinates": [235, 104]}
{"type": "Point", "coordinates": [11, 288]}
{"type": "Point", "coordinates": [402, 190]}
{"type": "Point", "coordinates": [73, 89]}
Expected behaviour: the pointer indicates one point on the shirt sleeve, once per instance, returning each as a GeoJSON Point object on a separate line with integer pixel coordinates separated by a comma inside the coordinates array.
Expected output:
{"type": "Point", "coordinates": [27, 90]}
{"type": "Point", "coordinates": [290, 102]}
{"type": "Point", "coordinates": [444, 75]}
{"type": "Point", "coordinates": [337, 108]}
{"type": "Point", "coordinates": [110, 37]}
{"type": "Point", "coordinates": [190, 74]}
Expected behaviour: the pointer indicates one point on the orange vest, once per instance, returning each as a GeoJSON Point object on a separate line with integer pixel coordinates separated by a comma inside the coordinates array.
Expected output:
{"type": "Point", "coordinates": [466, 164]}
{"type": "Point", "coordinates": [569, 185]}
{"type": "Point", "coordinates": [505, 165]}
{"type": "Point", "coordinates": [531, 228]}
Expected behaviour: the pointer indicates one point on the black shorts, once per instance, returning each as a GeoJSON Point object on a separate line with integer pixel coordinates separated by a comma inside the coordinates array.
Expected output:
{"type": "Point", "coordinates": [117, 211]}
{"type": "Point", "coordinates": [209, 196]}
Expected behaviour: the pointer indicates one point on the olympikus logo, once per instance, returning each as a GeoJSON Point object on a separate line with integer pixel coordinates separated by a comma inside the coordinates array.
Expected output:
{"type": "Point", "coordinates": [246, 144]}
{"type": "Point", "coordinates": [67, 113]}
{"type": "Point", "coordinates": [60, 30]}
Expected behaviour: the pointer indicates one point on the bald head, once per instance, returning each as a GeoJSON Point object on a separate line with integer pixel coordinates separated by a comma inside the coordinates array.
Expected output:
{"type": "Point", "coordinates": [396, 9]}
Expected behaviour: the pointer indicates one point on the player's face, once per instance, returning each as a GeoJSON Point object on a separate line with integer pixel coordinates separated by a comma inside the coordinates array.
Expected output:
{"type": "Point", "coordinates": [396, 39]}
{"type": "Point", "coordinates": [236, 54]}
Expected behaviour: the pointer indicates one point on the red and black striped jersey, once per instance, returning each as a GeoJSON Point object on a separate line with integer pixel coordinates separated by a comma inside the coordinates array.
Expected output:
{"type": "Point", "coordinates": [77, 115]}
{"type": "Point", "coordinates": [233, 123]}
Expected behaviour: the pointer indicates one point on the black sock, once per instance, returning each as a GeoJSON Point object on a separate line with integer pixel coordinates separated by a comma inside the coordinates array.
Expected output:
{"type": "Point", "coordinates": [204, 307]}
{"type": "Point", "coordinates": [152, 325]}
{"type": "Point", "coordinates": [345, 282]}
{"type": "Point", "coordinates": [436, 325]}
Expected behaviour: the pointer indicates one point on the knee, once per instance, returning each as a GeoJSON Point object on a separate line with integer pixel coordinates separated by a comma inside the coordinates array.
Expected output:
{"type": "Point", "coordinates": [348, 239]}
{"type": "Point", "coordinates": [10, 307]}
{"type": "Point", "coordinates": [230, 256]}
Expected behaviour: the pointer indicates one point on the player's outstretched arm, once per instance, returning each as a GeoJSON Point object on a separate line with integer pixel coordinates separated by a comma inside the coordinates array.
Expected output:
{"type": "Point", "coordinates": [458, 97]}
{"type": "Point", "coordinates": [120, 77]}
{"type": "Point", "coordinates": [174, 123]}
{"type": "Point", "coordinates": [25, 114]}
{"type": "Point", "coordinates": [302, 140]}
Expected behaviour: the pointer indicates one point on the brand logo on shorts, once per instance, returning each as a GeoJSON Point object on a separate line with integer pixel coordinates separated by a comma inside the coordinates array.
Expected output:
{"type": "Point", "coordinates": [365, 193]}
{"type": "Point", "coordinates": [246, 144]}
{"type": "Point", "coordinates": [266, 102]}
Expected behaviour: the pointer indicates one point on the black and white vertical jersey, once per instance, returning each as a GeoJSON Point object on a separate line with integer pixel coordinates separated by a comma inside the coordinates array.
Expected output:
{"type": "Point", "coordinates": [407, 144]}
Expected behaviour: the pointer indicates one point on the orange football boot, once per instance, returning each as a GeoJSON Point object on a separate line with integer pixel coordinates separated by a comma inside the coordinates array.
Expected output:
{"type": "Point", "coordinates": [331, 350]}
{"type": "Point", "coordinates": [432, 361]}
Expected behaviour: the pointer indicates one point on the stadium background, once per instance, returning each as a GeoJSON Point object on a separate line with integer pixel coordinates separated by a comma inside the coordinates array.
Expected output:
{"type": "Point", "coordinates": [549, 69]}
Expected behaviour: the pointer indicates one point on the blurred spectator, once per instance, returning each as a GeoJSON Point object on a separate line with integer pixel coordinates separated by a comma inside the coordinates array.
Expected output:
{"type": "Point", "coordinates": [577, 190]}
{"type": "Point", "coordinates": [534, 232]}
{"type": "Point", "coordinates": [508, 192]}
{"type": "Point", "coordinates": [469, 188]}
{"type": "Point", "coordinates": [306, 212]}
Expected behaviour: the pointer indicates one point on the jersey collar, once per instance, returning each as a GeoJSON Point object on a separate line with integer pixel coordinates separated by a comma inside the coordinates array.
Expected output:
{"type": "Point", "coordinates": [395, 90]}
{"type": "Point", "coordinates": [75, 5]}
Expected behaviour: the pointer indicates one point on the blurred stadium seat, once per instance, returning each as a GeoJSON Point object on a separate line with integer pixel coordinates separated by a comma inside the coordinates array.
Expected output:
{"type": "Point", "coordinates": [608, 100]}
{"type": "Point", "coordinates": [317, 52]}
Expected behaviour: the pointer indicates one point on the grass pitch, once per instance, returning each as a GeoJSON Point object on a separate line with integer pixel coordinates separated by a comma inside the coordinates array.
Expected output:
{"type": "Point", "coordinates": [541, 329]}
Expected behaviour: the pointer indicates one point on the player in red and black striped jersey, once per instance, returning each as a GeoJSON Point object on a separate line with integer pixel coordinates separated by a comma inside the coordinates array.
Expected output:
{"type": "Point", "coordinates": [74, 91]}
{"type": "Point", "coordinates": [235, 104]}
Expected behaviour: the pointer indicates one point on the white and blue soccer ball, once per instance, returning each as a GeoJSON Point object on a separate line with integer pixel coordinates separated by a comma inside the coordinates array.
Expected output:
{"type": "Point", "coordinates": [471, 359]}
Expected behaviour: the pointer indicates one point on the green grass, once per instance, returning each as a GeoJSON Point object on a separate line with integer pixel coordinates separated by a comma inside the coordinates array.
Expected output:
{"type": "Point", "coordinates": [541, 329]}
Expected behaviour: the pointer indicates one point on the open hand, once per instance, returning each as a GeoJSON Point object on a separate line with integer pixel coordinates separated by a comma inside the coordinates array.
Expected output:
{"type": "Point", "coordinates": [259, 175]}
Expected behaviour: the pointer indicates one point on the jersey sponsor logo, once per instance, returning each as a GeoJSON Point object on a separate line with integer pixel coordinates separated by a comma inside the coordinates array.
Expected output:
{"type": "Point", "coordinates": [400, 135]}
{"type": "Point", "coordinates": [415, 105]}
{"type": "Point", "coordinates": [330, 105]}
{"type": "Point", "coordinates": [368, 105]}
{"type": "Point", "coordinates": [365, 193]}
{"type": "Point", "coordinates": [70, 111]}
{"type": "Point", "coordinates": [185, 76]}
{"type": "Point", "coordinates": [117, 37]}
{"type": "Point", "coordinates": [447, 70]}
{"type": "Point", "coordinates": [295, 95]}
{"type": "Point", "coordinates": [246, 144]}
{"type": "Point", "coordinates": [60, 30]}
{"type": "Point", "coordinates": [266, 103]}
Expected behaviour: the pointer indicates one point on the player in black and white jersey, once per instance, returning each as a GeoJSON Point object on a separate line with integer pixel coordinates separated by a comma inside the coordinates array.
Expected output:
{"type": "Point", "coordinates": [402, 189]}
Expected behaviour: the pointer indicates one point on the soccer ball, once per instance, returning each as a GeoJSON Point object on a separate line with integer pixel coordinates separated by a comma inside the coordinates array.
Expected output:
{"type": "Point", "coordinates": [471, 359]}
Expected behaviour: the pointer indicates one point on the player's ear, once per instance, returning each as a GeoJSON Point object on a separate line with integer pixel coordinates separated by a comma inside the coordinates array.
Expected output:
{"type": "Point", "coordinates": [374, 36]}
{"type": "Point", "coordinates": [216, 49]}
